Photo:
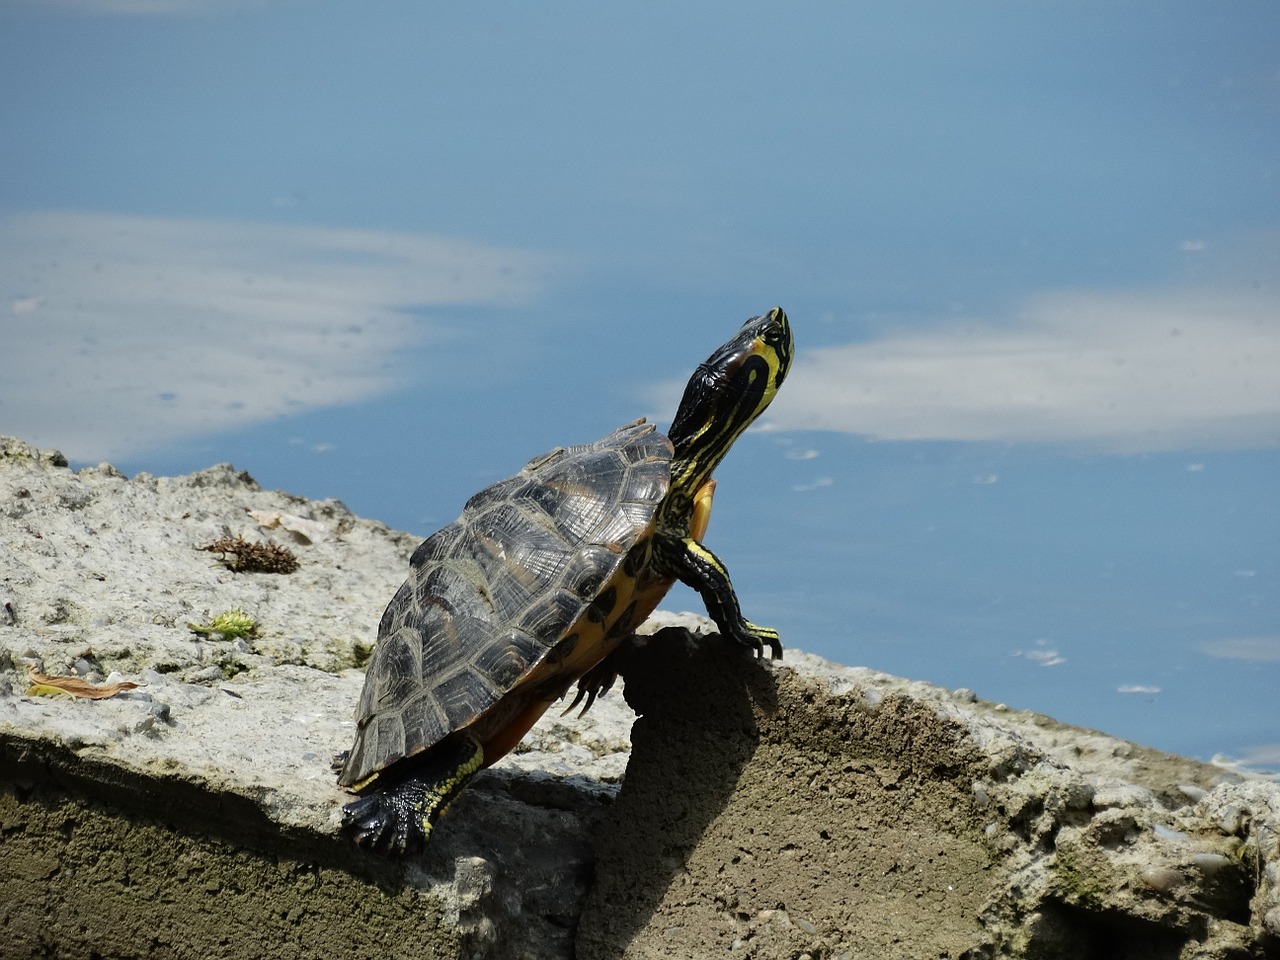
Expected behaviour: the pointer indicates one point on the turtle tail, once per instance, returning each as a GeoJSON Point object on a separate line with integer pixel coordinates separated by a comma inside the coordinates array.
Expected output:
{"type": "Point", "coordinates": [398, 818]}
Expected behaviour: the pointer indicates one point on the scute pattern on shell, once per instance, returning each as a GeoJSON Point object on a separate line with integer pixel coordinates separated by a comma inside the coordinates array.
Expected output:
{"type": "Point", "coordinates": [490, 595]}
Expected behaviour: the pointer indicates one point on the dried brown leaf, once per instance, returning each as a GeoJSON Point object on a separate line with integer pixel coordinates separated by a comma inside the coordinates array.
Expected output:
{"type": "Point", "coordinates": [43, 685]}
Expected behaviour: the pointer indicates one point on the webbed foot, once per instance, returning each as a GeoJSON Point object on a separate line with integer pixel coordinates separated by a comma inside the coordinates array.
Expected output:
{"type": "Point", "coordinates": [398, 818]}
{"type": "Point", "coordinates": [388, 822]}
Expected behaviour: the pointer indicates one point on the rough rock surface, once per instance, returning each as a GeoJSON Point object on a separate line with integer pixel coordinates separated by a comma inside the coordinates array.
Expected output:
{"type": "Point", "coordinates": [754, 810]}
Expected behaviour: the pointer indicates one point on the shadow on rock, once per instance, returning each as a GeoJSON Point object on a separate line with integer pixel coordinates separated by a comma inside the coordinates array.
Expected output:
{"type": "Point", "coordinates": [701, 702]}
{"type": "Point", "coordinates": [765, 814]}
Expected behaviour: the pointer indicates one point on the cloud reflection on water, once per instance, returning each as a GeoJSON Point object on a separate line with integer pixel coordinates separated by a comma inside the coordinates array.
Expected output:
{"type": "Point", "coordinates": [1252, 649]}
{"type": "Point", "coordinates": [125, 332]}
{"type": "Point", "coordinates": [1123, 372]}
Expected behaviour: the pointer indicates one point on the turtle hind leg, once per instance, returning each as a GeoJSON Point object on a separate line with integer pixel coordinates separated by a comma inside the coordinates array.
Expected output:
{"type": "Point", "coordinates": [596, 682]}
{"type": "Point", "coordinates": [376, 822]}
{"type": "Point", "coordinates": [399, 817]}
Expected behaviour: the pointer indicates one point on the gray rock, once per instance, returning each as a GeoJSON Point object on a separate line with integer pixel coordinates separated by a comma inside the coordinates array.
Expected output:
{"type": "Point", "coordinates": [753, 809]}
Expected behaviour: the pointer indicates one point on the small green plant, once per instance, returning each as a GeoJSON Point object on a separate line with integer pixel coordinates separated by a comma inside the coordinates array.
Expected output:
{"type": "Point", "coordinates": [231, 624]}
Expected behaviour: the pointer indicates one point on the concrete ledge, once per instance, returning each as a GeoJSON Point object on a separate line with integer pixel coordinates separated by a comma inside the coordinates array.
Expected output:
{"type": "Point", "coordinates": [811, 809]}
{"type": "Point", "coordinates": [754, 809]}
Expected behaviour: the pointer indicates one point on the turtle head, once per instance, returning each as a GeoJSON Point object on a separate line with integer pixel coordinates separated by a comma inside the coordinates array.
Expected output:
{"type": "Point", "coordinates": [727, 392]}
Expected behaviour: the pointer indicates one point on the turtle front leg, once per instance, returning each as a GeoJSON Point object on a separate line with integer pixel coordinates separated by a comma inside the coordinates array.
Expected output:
{"type": "Point", "coordinates": [701, 569]}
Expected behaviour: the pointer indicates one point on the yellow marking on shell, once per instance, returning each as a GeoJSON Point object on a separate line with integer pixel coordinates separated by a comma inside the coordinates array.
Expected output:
{"type": "Point", "coordinates": [591, 645]}
{"type": "Point", "coordinates": [360, 785]}
{"type": "Point", "coordinates": [548, 681]}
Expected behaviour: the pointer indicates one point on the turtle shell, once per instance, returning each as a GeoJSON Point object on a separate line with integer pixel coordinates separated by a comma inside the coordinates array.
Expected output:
{"type": "Point", "coordinates": [508, 605]}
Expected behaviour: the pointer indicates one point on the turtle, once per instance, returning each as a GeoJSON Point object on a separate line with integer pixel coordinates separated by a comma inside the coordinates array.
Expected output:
{"type": "Point", "coordinates": [537, 583]}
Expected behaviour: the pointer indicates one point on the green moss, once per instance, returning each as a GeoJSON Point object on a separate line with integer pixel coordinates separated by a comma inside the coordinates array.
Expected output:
{"type": "Point", "coordinates": [231, 668]}
{"type": "Point", "coordinates": [361, 654]}
{"type": "Point", "coordinates": [81, 879]}
{"type": "Point", "coordinates": [1078, 881]}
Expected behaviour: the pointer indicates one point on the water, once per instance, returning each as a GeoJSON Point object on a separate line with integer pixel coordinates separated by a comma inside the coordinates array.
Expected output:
{"type": "Point", "coordinates": [1030, 255]}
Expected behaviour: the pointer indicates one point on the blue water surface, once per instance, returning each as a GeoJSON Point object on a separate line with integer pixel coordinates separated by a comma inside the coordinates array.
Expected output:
{"type": "Point", "coordinates": [388, 253]}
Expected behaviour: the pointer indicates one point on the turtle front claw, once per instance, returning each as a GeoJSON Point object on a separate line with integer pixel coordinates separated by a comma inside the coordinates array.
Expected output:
{"type": "Point", "coordinates": [755, 638]}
